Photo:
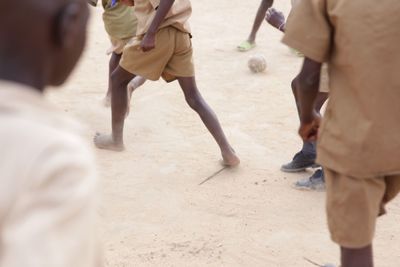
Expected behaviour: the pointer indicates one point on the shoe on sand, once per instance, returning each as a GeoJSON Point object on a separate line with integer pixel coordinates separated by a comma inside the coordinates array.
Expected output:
{"type": "Point", "coordinates": [315, 183]}
{"type": "Point", "coordinates": [246, 46]}
{"type": "Point", "coordinates": [301, 161]}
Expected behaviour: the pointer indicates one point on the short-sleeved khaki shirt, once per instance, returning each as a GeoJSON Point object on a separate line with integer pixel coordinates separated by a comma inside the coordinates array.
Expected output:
{"type": "Point", "coordinates": [178, 16]}
{"type": "Point", "coordinates": [359, 39]}
{"type": "Point", "coordinates": [120, 21]}
{"type": "Point", "coordinates": [48, 185]}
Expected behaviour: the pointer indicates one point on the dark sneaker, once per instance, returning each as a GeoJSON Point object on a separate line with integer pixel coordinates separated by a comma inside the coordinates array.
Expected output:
{"type": "Point", "coordinates": [316, 182]}
{"type": "Point", "coordinates": [300, 162]}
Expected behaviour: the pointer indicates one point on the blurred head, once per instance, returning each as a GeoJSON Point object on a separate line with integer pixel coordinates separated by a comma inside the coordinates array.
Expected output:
{"type": "Point", "coordinates": [41, 39]}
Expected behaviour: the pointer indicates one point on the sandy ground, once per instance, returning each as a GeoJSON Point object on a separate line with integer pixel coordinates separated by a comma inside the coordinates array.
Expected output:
{"type": "Point", "coordinates": [154, 211]}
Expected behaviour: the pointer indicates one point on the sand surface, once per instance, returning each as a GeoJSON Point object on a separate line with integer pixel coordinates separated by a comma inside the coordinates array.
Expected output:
{"type": "Point", "coordinates": [155, 213]}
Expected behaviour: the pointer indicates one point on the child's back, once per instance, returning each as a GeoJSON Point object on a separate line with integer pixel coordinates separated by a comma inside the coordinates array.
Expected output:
{"type": "Point", "coordinates": [119, 20]}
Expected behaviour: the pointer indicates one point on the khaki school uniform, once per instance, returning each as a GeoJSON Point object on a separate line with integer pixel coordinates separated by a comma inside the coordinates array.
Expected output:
{"type": "Point", "coordinates": [324, 79]}
{"type": "Point", "coordinates": [47, 199]}
{"type": "Point", "coordinates": [172, 56]}
{"type": "Point", "coordinates": [120, 24]}
{"type": "Point", "coordinates": [359, 143]}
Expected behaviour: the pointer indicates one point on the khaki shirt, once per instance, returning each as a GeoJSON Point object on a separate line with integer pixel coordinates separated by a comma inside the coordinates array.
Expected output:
{"type": "Point", "coordinates": [120, 21]}
{"type": "Point", "coordinates": [47, 199]}
{"type": "Point", "coordinates": [360, 134]}
{"type": "Point", "coordinates": [177, 17]}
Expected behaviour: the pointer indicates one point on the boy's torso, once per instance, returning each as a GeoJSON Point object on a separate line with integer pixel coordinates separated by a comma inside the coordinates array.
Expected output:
{"type": "Point", "coordinates": [360, 133]}
{"type": "Point", "coordinates": [177, 17]}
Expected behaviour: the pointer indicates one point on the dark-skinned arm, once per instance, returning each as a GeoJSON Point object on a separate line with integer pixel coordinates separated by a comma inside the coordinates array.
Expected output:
{"type": "Point", "coordinates": [307, 90]}
{"type": "Point", "coordinates": [149, 40]}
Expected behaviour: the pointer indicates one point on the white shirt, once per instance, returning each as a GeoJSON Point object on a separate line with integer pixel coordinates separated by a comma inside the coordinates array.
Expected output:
{"type": "Point", "coordinates": [48, 185]}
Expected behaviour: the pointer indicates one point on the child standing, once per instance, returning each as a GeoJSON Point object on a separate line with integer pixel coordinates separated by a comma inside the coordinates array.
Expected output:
{"type": "Point", "coordinates": [162, 48]}
{"type": "Point", "coordinates": [359, 144]}
{"type": "Point", "coordinates": [306, 157]}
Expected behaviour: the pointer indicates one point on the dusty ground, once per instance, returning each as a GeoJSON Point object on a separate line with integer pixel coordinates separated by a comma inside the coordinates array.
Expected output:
{"type": "Point", "coordinates": [154, 211]}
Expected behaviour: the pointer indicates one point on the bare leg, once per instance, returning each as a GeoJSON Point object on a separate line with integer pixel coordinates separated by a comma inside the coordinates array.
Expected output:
{"type": "Point", "coordinates": [134, 84]}
{"type": "Point", "coordinates": [310, 147]}
{"type": "Point", "coordinates": [198, 104]}
{"type": "Point", "coordinates": [264, 6]}
{"type": "Point", "coordinates": [119, 102]}
{"type": "Point", "coordinates": [357, 257]}
{"type": "Point", "coordinates": [114, 61]}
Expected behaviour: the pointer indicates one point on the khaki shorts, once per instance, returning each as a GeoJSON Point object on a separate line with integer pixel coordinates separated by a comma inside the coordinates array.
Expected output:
{"type": "Point", "coordinates": [324, 79]}
{"type": "Point", "coordinates": [353, 205]}
{"type": "Point", "coordinates": [117, 45]}
{"type": "Point", "coordinates": [171, 58]}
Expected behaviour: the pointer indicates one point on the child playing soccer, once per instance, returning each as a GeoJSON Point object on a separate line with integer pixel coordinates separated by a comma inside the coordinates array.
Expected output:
{"type": "Point", "coordinates": [307, 155]}
{"type": "Point", "coordinates": [358, 144]}
{"type": "Point", "coordinates": [162, 48]}
{"type": "Point", "coordinates": [48, 181]}
{"type": "Point", "coordinates": [120, 24]}
{"type": "Point", "coordinates": [250, 43]}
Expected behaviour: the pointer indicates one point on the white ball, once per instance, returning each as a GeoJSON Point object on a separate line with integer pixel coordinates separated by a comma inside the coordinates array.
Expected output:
{"type": "Point", "coordinates": [257, 63]}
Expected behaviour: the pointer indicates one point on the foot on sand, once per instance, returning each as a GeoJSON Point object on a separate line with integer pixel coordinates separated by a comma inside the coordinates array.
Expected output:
{"type": "Point", "coordinates": [105, 141]}
{"type": "Point", "coordinates": [230, 158]}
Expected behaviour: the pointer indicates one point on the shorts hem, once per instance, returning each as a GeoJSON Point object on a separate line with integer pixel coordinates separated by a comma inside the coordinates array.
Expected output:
{"type": "Point", "coordinates": [138, 73]}
{"type": "Point", "coordinates": [351, 245]}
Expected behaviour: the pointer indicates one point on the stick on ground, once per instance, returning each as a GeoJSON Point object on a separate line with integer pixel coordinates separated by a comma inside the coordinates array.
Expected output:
{"type": "Point", "coordinates": [214, 174]}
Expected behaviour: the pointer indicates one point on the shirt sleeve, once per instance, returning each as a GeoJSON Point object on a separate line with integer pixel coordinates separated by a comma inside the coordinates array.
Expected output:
{"type": "Point", "coordinates": [309, 31]}
{"type": "Point", "coordinates": [53, 220]}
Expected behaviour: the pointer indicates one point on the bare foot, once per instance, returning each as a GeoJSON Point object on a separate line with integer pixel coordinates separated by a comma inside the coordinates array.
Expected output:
{"type": "Point", "coordinates": [107, 101]}
{"type": "Point", "coordinates": [230, 158]}
{"type": "Point", "coordinates": [104, 141]}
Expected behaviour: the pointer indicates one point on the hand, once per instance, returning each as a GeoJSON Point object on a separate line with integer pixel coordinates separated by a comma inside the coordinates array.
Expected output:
{"type": "Point", "coordinates": [127, 2]}
{"type": "Point", "coordinates": [275, 18]}
{"type": "Point", "coordinates": [149, 42]}
{"type": "Point", "coordinates": [309, 129]}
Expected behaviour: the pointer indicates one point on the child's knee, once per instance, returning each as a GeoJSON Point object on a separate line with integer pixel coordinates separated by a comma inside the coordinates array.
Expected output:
{"type": "Point", "coordinates": [120, 77]}
{"type": "Point", "coordinates": [194, 101]}
{"type": "Point", "coordinates": [114, 78]}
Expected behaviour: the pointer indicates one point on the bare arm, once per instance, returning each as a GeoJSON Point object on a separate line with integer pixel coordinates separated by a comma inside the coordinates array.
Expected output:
{"type": "Point", "coordinates": [148, 42]}
{"type": "Point", "coordinates": [307, 90]}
